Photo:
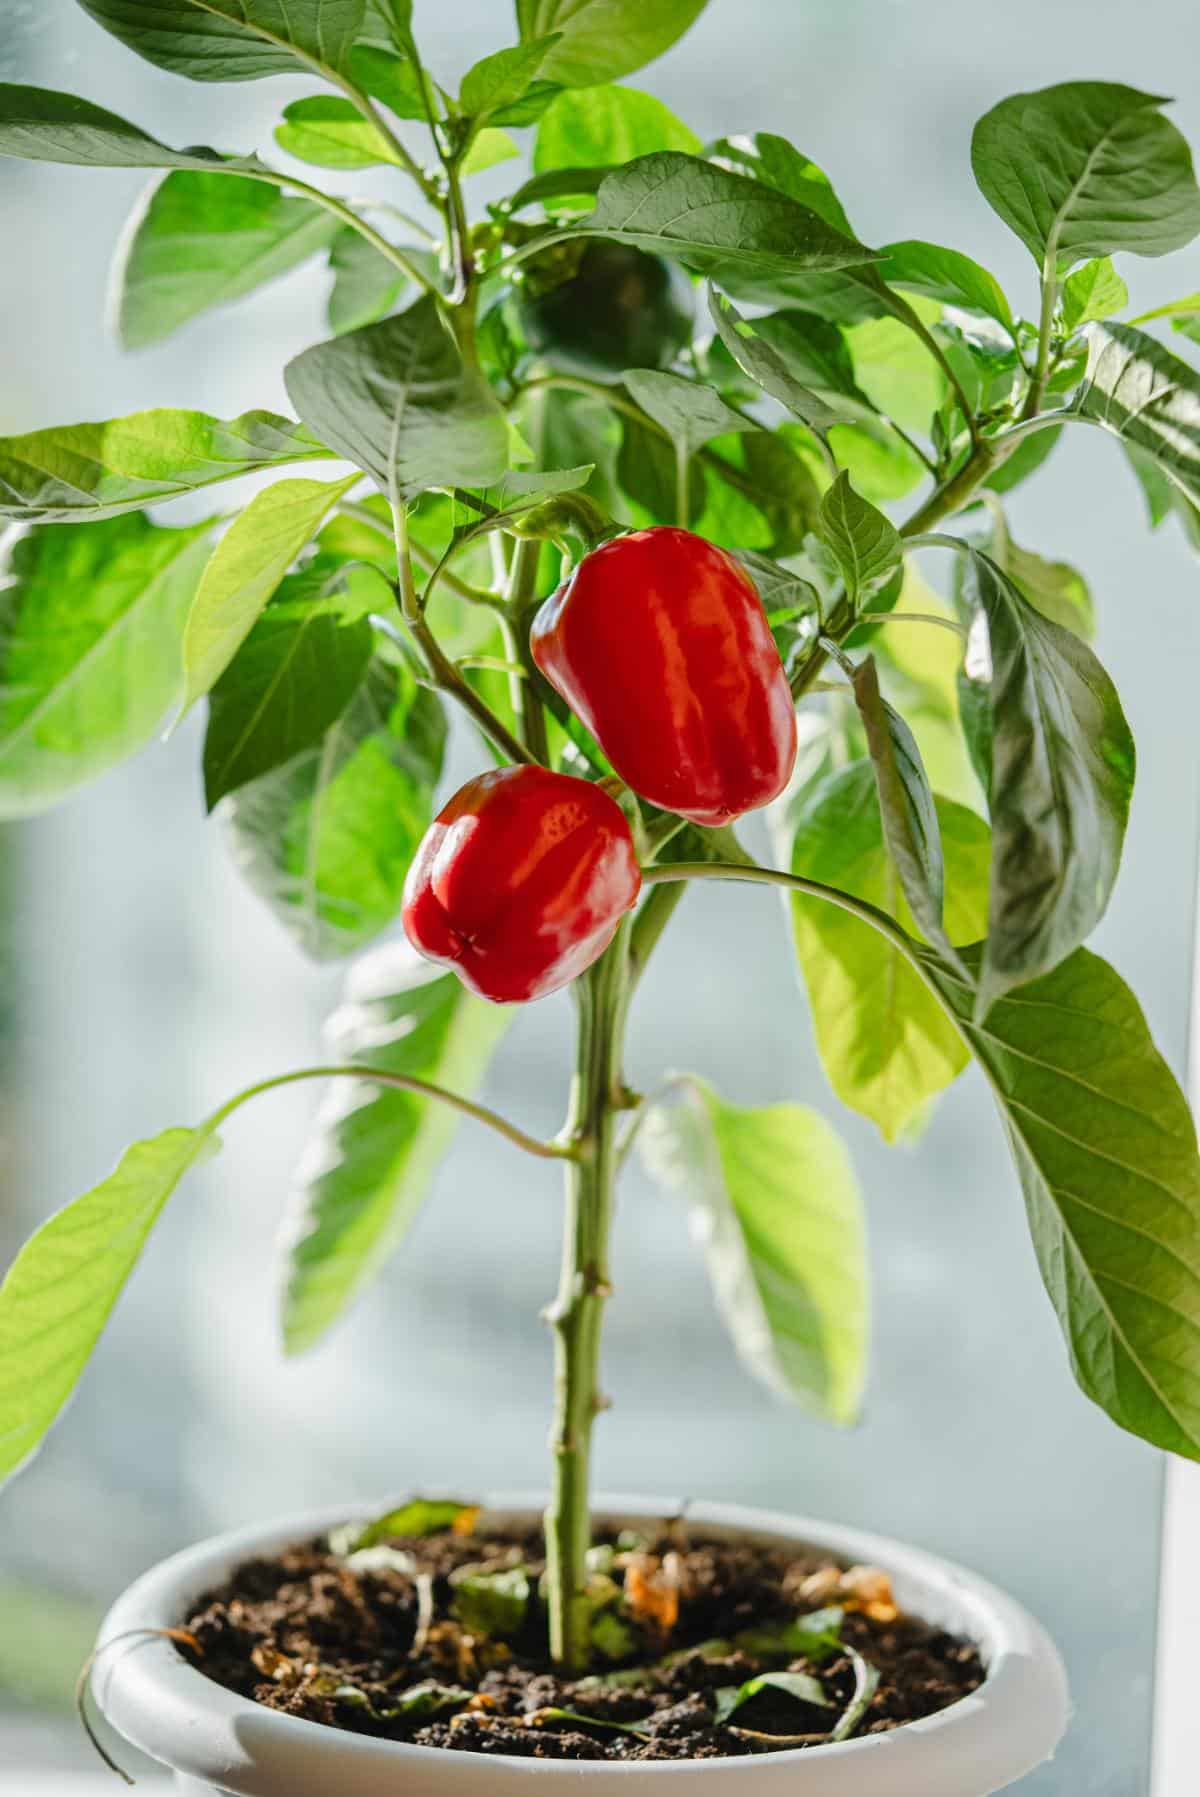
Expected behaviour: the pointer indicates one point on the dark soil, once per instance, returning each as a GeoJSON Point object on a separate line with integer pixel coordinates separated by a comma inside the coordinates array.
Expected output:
{"type": "Point", "coordinates": [371, 1643]}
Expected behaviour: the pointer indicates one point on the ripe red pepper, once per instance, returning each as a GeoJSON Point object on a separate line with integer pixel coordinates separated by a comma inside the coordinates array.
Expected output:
{"type": "Point", "coordinates": [659, 642]}
{"type": "Point", "coordinates": [520, 882]}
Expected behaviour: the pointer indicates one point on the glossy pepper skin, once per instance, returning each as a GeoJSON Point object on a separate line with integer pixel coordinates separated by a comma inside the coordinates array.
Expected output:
{"type": "Point", "coordinates": [659, 642]}
{"type": "Point", "coordinates": [520, 882]}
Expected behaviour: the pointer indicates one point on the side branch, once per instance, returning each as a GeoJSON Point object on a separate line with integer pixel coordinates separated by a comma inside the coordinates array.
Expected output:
{"type": "Point", "coordinates": [380, 1076]}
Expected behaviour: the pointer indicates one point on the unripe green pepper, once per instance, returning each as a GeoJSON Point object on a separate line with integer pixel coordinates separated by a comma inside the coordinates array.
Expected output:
{"type": "Point", "coordinates": [598, 308]}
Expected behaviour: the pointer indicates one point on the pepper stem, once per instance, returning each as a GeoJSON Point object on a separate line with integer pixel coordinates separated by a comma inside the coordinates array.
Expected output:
{"type": "Point", "coordinates": [578, 1311]}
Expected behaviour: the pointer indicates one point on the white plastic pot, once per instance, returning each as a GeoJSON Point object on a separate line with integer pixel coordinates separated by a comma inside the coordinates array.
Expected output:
{"type": "Point", "coordinates": [216, 1741]}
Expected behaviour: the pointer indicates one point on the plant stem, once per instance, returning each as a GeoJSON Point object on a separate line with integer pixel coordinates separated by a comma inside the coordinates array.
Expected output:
{"type": "Point", "coordinates": [522, 597]}
{"type": "Point", "coordinates": [912, 617]}
{"type": "Point", "coordinates": [272, 178]}
{"type": "Point", "coordinates": [373, 116]}
{"type": "Point", "coordinates": [380, 1076]}
{"type": "Point", "coordinates": [954, 493]}
{"type": "Point", "coordinates": [442, 671]}
{"type": "Point", "coordinates": [909, 316]}
{"type": "Point", "coordinates": [658, 906]}
{"type": "Point", "coordinates": [1037, 387]}
{"type": "Point", "coordinates": [577, 1312]}
{"type": "Point", "coordinates": [447, 678]}
{"type": "Point", "coordinates": [362, 514]}
{"type": "Point", "coordinates": [473, 595]}
{"type": "Point", "coordinates": [682, 463]}
{"type": "Point", "coordinates": [771, 876]}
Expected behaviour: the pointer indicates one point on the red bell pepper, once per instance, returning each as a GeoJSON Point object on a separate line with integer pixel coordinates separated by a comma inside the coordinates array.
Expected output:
{"type": "Point", "coordinates": [520, 882]}
{"type": "Point", "coordinates": [659, 642]}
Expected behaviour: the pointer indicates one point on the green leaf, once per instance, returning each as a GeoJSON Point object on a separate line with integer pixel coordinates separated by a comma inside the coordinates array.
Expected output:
{"type": "Point", "coordinates": [375, 1149]}
{"type": "Point", "coordinates": [1093, 292]}
{"type": "Point", "coordinates": [488, 147]}
{"type": "Point", "coordinates": [885, 1043]}
{"type": "Point", "coordinates": [415, 1519]}
{"type": "Point", "coordinates": [91, 618]}
{"type": "Point", "coordinates": [759, 494]}
{"type": "Point", "coordinates": [800, 1685]}
{"type": "Point", "coordinates": [610, 1636]}
{"type": "Point", "coordinates": [815, 353]}
{"type": "Point", "coordinates": [1148, 397]}
{"type": "Point", "coordinates": [1025, 460]}
{"type": "Point", "coordinates": [757, 491]}
{"type": "Point", "coordinates": [557, 183]}
{"type": "Point", "coordinates": [1184, 315]}
{"type": "Point", "coordinates": [86, 471]}
{"type": "Point", "coordinates": [603, 126]}
{"type": "Point", "coordinates": [1087, 168]}
{"type": "Point", "coordinates": [327, 839]}
{"type": "Point", "coordinates": [426, 1700]}
{"type": "Point", "coordinates": [896, 371]}
{"type": "Point", "coordinates": [601, 40]}
{"type": "Point", "coordinates": [1163, 498]}
{"type": "Point", "coordinates": [244, 570]}
{"type": "Point", "coordinates": [61, 1289]}
{"type": "Point", "coordinates": [366, 285]}
{"type": "Point", "coordinates": [288, 683]}
{"type": "Point", "coordinates": [1106, 1149]}
{"type": "Point", "coordinates": [395, 399]}
{"type": "Point", "coordinates": [768, 369]}
{"type": "Point", "coordinates": [201, 240]}
{"type": "Point", "coordinates": [779, 588]}
{"type": "Point", "coordinates": [776, 1208]}
{"type": "Point", "coordinates": [906, 804]}
{"type": "Point", "coordinates": [332, 133]}
{"type": "Point", "coordinates": [396, 80]}
{"type": "Point", "coordinates": [1061, 774]}
{"type": "Point", "coordinates": [676, 205]}
{"type": "Point", "coordinates": [233, 40]}
{"type": "Point", "coordinates": [693, 414]}
{"type": "Point", "coordinates": [500, 503]}
{"type": "Point", "coordinates": [865, 543]}
{"type": "Point", "coordinates": [920, 669]}
{"type": "Point", "coordinates": [946, 275]}
{"type": "Point", "coordinates": [1056, 589]}
{"type": "Point", "coordinates": [778, 164]}
{"type": "Point", "coordinates": [500, 80]}
{"type": "Point", "coordinates": [817, 1636]}
{"type": "Point", "coordinates": [491, 1601]}
{"type": "Point", "coordinates": [646, 473]}
{"type": "Point", "coordinates": [42, 125]}
{"type": "Point", "coordinates": [880, 465]}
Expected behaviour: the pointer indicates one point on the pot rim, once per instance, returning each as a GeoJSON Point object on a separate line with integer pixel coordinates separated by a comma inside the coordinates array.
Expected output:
{"type": "Point", "coordinates": [153, 1696]}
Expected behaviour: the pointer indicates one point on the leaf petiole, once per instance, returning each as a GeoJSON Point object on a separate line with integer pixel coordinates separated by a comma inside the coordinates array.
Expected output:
{"type": "Point", "coordinates": [403, 1082]}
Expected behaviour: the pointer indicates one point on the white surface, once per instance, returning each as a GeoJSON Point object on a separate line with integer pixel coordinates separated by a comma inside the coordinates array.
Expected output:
{"type": "Point", "coordinates": [1177, 1714]}
{"type": "Point", "coordinates": [99, 1783]}
{"type": "Point", "coordinates": [980, 1745]}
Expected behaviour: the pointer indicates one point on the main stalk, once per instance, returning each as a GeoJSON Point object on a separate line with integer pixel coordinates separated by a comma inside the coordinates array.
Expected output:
{"type": "Point", "coordinates": [578, 1311]}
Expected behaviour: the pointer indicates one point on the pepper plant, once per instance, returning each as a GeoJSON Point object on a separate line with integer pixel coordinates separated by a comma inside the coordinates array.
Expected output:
{"type": "Point", "coordinates": [667, 379]}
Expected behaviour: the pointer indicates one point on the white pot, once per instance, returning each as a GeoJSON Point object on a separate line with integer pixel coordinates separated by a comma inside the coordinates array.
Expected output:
{"type": "Point", "coordinates": [216, 1741]}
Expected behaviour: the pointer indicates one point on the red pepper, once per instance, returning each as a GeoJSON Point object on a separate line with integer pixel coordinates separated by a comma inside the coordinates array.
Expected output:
{"type": "Point", "coordinates": [659, 642]}
{"type": "Point", "coordinates": [520, 882]}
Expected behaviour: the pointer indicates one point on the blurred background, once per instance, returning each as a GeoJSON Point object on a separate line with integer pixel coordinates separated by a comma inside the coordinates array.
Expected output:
{"type": "Point", "coordinates": [142, 982]}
